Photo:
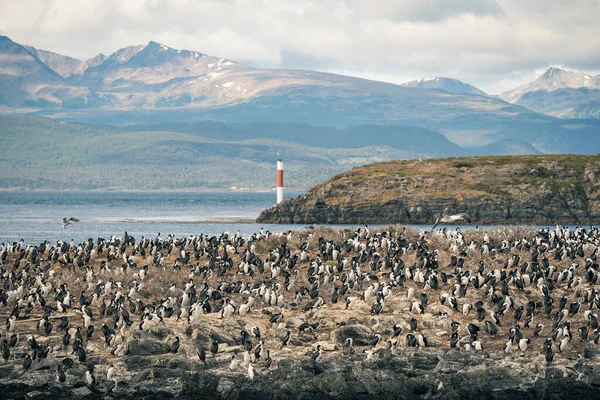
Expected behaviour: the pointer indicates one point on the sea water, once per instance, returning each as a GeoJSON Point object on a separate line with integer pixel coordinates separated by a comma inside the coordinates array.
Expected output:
{"type": "Point", "coordinates": [36, 216]}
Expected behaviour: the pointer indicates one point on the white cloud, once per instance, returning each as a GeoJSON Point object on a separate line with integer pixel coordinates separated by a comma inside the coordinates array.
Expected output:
{"type": "Point", "coordinates": [495, 45]}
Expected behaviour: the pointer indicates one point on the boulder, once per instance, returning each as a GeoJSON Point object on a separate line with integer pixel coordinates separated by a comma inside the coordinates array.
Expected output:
{"type": "Point", "coordinates": [591, 351]}
{"type": "Point", "coordinates": [225, 386]}
{"type": "Point", "coordinates": [293, 323]}
{"type": "Point", "coordinates": [146, 345]}
{"type": "Point", "coordinates": [141, 376]}
{"type": "Point", "coordinates": [203, 334]}
{"type": "Point", "coordinates": [360, 334]}
{"type": "Point", "coordinates": [423, 360]}
{"type": "Point", "coordinates": [312, 366]}
{"type": "Point", "coordinates": [323, 337]}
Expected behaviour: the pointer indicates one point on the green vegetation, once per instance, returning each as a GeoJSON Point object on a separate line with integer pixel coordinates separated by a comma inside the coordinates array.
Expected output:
{"type": "Point", "coordinates": [39, 153]}
{"type": "Point", "coordinates": [508, 177]}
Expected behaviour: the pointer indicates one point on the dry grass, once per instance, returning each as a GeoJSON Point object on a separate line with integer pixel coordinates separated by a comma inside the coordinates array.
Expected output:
{"type": "Point", "coordinates": [160, 279]}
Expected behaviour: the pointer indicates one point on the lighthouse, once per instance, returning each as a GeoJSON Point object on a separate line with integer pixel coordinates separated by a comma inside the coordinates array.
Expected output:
{"type": "Point", "coordinates": [279, 181]}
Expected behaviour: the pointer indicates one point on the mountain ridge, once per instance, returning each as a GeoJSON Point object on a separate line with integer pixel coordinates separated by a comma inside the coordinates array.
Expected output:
{"type": "Point", "coordinates": [448, 84]}
{"type": "Point", "coordinates": [154, 83]}
{"type": "Point", "coordinates": [560, 93]}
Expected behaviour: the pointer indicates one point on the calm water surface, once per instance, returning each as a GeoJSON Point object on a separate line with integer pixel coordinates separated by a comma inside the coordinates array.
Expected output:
{"type": "Point", "coordinates": [36, 216]}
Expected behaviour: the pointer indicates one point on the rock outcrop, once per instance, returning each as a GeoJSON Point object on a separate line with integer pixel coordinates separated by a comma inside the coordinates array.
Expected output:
{"type": "Point", "coordinates": [548, 189]}
{"type": "Point", "coordinates": [409, 374]}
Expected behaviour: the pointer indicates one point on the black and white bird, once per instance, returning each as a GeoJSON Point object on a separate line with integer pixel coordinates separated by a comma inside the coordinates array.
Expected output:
{"type": "Point", "coordinates": [268, 361]}
{"type": "Point", "coordinates": [375, 340]}
{"type": "Point", "coordinates": [397, 330]}
{"type": "Point", "coordinates": [256, 332]}
{"type": "Point", "coordinates": [348, 348]}
{"type": "Point", "coordinates": [5, 350]}
{"type": "Point", "coordinates": [110, 373]}
{"type": "Point", "coordinates": [27, 362]}
{"type": "Point", "coordinates": [413, 324]}
{"type": "Point", "coordinates": [214, 348]}
{"type": "Point", "coordinates": [286, 339]}
{"type": "Point", "coordinates": [523, 343]}
{"type": "Point", "coordinates": [60, 374]}
{"type": "Point", "coordinates": [234, 363]}
{"type": "Point", "coordinates": [90, 378]}
{"type": "Point", "coordinates": [175, 345]}
{"type": "Point", "coordinates": [201, 354]}
{"type": "Point", "coordinates": [316, 354]}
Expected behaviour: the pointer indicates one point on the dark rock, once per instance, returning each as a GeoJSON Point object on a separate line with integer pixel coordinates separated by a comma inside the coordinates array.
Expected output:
{"type": "Point", "coordinates": [420, 388]}
{"type": "Point", "coordinates": [178, 363]}
{"type": "Point", "coordinates": [203, 334]}
{"type": "Point", "coordinates": [312, 366]}
{"type": "Point", "coordinates": [161, 332]}
{"type": "Point", "coordinates": [285, 364]}
{"type": "Point", "coordinates": [142, 376]}
{"type": "Point", "coordinates": [38, 394]}
{"type": "Point", "coordinates": [409, 374]}
{"type": "Point", "coordinates": [200, 386]}
{"type": "Point", "coordinates": [426, 361]}
{"type": "Point", "coordinates": [146, 347]}
{"type": "Point", "coordinates": [133, 363]}
{"type": "Point", "coordinates": [165, 373]}
{"type": "Point", "coordinates": [591, 351]}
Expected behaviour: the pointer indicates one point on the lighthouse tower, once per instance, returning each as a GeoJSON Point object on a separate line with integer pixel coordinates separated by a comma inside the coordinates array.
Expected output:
{"type": "Point", "coordinates": [279, 181]}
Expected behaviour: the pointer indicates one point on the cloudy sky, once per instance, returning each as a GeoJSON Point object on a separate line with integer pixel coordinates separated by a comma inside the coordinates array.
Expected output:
{"type": "Point", "coordinates": [493, 44]}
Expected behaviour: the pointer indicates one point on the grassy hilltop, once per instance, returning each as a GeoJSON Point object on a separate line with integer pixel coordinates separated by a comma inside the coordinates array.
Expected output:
{"type": "Point", "coordinates": [495, 189]}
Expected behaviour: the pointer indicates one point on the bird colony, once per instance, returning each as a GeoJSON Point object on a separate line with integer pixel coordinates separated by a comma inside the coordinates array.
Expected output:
{"type": "Point", "coordinates": [75, 312]}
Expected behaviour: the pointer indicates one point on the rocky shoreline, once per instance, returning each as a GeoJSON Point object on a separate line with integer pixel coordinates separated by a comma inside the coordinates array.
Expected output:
{"type": "Point", "coordinates": [533, 190]}
{"type": "Point", "coordinates": [408, 374]}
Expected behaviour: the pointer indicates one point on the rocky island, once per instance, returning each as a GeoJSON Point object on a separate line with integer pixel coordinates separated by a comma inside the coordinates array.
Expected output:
{"type": "Point", "coordinates": [541, 189]}
{"type": "Point", "coordinates": [323, 314]}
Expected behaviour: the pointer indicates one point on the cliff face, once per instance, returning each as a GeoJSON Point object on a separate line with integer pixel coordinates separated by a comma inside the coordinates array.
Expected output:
{"type": "Point", "coordinates": [548, 189]}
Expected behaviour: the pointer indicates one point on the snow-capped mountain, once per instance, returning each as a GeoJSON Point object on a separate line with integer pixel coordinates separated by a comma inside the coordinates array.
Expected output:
{"type": "Point", "coordinates": [560, 93]}
{"type": "Point", "coordinates": [448, 84]}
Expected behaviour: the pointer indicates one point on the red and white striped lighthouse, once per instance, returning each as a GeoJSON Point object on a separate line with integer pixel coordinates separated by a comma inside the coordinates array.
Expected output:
{"type": "Point", "coordinates": [279, 181]}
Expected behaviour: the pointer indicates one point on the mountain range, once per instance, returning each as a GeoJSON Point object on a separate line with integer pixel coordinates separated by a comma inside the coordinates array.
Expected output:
{"type": "Point", "coordinates": [560, 93]}
{"type": "Point", "coordinates": [156, 91]}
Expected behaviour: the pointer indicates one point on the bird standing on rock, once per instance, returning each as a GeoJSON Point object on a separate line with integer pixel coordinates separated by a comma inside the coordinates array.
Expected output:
{"type": "Point", "coordinates": [201, 354]}
{"type": "Point", "coordinates": [251, 371]}
{"type": "Point", "coordinates": [175, 345]}
{"type": "Point", "coordinates": [214, 348]}
{"type": "Point", "coordinates": [110, 373]}
{"type": "Point", "coordinates": [316, 354]}
{"type": "Point", "coordinates": [27, 363]}
{"type": "Point", "coordinates": [60, 374]}
{"type": "Point", "coordinates": [90, 378]}
{"type": "Point", "coordinates": [286, 339]}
